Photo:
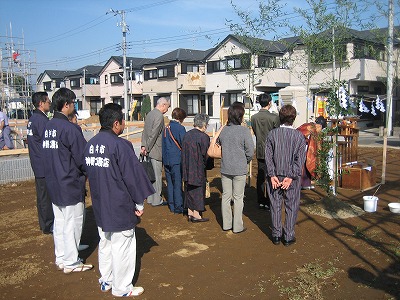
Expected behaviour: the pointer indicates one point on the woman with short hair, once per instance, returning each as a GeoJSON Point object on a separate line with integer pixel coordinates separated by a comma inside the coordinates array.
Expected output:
{"type": "Point", "coordinates": [194, 159]}
{"type": "Point", "coordinates": [172, 140]}
{"type": "Point", "coordinates": [237, 151]}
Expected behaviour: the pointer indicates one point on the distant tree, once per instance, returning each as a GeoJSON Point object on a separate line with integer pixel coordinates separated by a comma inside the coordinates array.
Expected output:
{"type": "Point", "coordinates": [250, 33]}
{"type": "Point", "coordinates": [323, 36]}
{"type": "Point", "coordinates": [146, 106]}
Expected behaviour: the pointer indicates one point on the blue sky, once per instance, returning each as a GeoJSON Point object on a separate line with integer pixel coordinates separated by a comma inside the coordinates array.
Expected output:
{"type": "Point", "coordinates": [67, 35]}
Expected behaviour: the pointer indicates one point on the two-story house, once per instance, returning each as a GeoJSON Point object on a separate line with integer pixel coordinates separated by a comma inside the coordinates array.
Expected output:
{"type": "Point", "coordinates": [112, 84]}
{"type": "Point", "coordinates": [179, 76]}
{"type": "Point", "coordinates": [50, 81]}
{"type": "Point", "coordinates": [236, 72]}
{"type": "Point", "coordinates": [240, 68]}
{"type": "Point", "coordinates": [85, 83]}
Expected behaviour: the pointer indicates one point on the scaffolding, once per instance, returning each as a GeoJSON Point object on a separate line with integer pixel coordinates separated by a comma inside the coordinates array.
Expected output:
{"type": "Point", "coordinates": [18, 67]}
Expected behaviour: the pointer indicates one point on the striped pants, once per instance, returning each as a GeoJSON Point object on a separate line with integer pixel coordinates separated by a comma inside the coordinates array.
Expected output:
{"type": "Point", "coordinates": [291, 199]}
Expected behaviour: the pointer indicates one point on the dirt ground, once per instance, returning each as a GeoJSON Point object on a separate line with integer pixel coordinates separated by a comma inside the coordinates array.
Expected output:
{"type": "Point", "coordinates": [357, 257]}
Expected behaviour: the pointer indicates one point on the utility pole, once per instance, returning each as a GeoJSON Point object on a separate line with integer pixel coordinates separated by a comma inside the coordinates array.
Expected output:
{"type": "Point", "coordinates": [84, 87]}
{"type": "Point", "coordinates": [124, 30]}
{"type": "Point", "coordinates": [389, 92]}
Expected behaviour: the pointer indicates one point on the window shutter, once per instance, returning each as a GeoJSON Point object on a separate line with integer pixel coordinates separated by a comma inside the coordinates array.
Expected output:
{"type": "Point", "coordinates": [210, 67]}
{"type": "Point", "coordinates": [183, 103]}
{"type": "Point", "coordinates": [183, 68]}
{"type": "Point", "coordinates": [171, 71]}
{"type": "Point", "coordinates": [245, 61]}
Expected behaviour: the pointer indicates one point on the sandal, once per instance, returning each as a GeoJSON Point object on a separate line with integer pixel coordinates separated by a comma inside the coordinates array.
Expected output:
{"type": "Point", "coordinates": [78, 268]}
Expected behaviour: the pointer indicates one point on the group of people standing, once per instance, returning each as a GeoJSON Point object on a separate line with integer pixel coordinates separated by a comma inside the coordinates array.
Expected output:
{"type": "Point", "coordinates": [62, 161]}
{"type": "Point", "coordinates": [280, 152]}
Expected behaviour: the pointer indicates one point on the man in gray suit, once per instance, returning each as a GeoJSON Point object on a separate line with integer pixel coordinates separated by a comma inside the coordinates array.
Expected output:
{"type": "Point", "coordinates": [152, 145]}
{"type": "Point", "coordinates": [262, 123]}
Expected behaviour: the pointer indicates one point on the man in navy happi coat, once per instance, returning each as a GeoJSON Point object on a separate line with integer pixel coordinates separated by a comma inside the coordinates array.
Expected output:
{"type": "Point", "coordinates": [35, 131]}
{"type": "Point", "coordinates": [63, 146]}
{"type": "Point", "coordinates": [118, 185]}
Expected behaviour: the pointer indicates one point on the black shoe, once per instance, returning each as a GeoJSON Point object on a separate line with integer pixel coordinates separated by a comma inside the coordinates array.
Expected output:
{"type": "Point", "coordinates": [288, 243]}
{"type": "Point", "coordinates": [195, 220]}
{"type": "Point", "coordinates": [164, 203]}
{"type": "Point", "coordinates": [276, 240]}
{"type": "Point", "coordinates": [261, 206]}
{"type": "Point", "coordinates": [243, 230]}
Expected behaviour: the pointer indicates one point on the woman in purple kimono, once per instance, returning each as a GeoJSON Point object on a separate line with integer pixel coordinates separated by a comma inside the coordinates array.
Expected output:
{"type": "Point", "coordinates": [194, 158]}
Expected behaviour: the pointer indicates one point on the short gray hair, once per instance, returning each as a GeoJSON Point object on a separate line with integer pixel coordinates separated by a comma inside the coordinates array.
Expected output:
{"type": "Point", "coordinates": [201, 120]}
{"type": "Point", "coordinates": [163, 100]}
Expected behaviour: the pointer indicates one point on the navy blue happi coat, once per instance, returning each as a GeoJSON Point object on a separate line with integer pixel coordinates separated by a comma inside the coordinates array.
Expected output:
{"type": "Point", "coordinates": [63, 146]}
{"type": "Point", "coordinates": [117, 181]}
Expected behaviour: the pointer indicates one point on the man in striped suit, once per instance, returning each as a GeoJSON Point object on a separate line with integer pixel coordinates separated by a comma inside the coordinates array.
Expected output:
{"type": "Point", "coordinates": [285, 153]}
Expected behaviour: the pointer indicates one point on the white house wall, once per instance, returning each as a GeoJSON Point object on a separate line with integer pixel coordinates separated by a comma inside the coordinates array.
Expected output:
{"type": "Point", "coordinates": [232, 47]}
{"type": "Point", "coordinates": [108, 90]}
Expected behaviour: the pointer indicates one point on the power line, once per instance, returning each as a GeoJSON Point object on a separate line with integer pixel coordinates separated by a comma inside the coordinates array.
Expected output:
{"type": "Point", "coordinates": [63, 36]}
{"type": "Point", "coordinates": [149, 5]}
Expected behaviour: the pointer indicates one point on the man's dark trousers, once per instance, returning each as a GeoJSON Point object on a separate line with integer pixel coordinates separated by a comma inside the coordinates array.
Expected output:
{"type": "Point", "coordinates": [261, 187]}
{"type": "Point", "coordinates": [44, 206]}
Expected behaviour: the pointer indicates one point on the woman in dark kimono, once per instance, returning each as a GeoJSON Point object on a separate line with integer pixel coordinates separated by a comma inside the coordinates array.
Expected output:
{"type": "Point", "coordinates": [194, 158]}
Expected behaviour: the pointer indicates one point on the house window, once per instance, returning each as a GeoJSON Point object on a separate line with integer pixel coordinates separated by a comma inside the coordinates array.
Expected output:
{"type": "Point", "coordinates": [116, 78]}
{"type": "Point", "coordinates": [75, 83]}
{"type": "Point", "coordinates": [162, 73]}
{"type": "Point", "coordinates": [234, 63]}
{"type": "Point", "coordinates": [166, 71]}
{"type": "Point", "coordinates": [210, 105]}
{"type": "Point", "coordinates": [230, 63]}
{"type": "Point", "coordinates": [229, 98]}
{"type": "Point", "coordinates": [150, 74]}
{"type": "Point", "coordinates": [219, 65]}
{"type": "Point", "coordinates": [106, 79]}
{"type": "Point", "coordinates": [78, 104]}
{"type": "Point", "coordinates": [192, 68]}
{"type": "Point", "coordinates": [58, 83]}
{"type": "Point", "coordinates": [267, 61]}
{"type": "Point", "coordinates": [119, 101]}
{"type": "Point", "coordinates": [47, 86]}
{"type": "Point", "coordinates": [325, 54]}
{"type": "Point", "coordinates": [362, 89]}
{"type": "Point", "coordinates": [92, 80]}
{"type": "Point", "coordinates": [131, 75]}
{"type": "Point", "coordinates": [369, 50]}
{"type": "Point", "coordinates": [95, 106]}
{"type": "Point", "coordinates": [238, 62]}
{"type": "Point", "coordinates": [190, 103]}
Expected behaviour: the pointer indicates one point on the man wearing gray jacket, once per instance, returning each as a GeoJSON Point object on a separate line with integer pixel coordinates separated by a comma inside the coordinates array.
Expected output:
{"type": "Point", "coordinates": [152, 145]}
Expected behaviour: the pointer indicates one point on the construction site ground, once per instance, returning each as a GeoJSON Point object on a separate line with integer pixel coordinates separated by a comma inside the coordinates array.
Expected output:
{"type": "Point", "coordinates": [334, 258]}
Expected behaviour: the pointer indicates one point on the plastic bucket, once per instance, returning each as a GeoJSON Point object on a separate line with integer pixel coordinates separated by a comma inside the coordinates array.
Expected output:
{"type": "Point", "coordinates": [370, 203]}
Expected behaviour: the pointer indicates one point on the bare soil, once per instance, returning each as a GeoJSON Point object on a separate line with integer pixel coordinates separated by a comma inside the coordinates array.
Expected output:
{"type": "Point", "coordinates": [334, 258]}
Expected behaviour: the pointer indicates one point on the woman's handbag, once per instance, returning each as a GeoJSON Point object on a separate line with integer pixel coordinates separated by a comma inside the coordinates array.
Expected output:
{"type": "Point", "coordinates": [148, 167]}
{"type": "Point", "coordinates": [215, 149]}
